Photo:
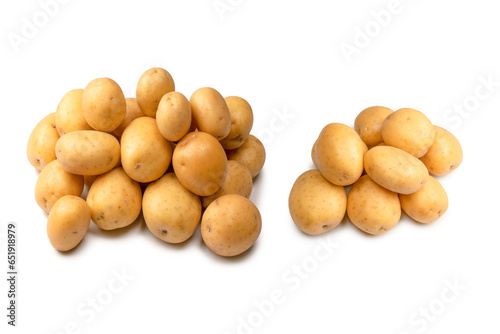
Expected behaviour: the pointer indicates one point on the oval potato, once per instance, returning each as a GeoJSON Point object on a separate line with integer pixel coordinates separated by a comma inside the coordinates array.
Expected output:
{"type": "Point", "coordinates": [210, 112]}
{"type": "Point", "coordinates": [251, 154]}
{"type": "Point", "coordinates": [69, 114]}
{"type": "Point", "coordinates": [42, 142]}
{"type": "Point", "coordinates": [173, 116]}
{"type": "Point", "coordinates": [241, 122]}
{"type": "Point", "coordinates": [445, 154]}
{"type": "Point", "coordinates": [368, 124]}
{"type": "Point", "coordinates": [152, 85]}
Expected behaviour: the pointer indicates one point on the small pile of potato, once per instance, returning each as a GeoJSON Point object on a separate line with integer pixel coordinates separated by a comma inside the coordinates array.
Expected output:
{"type": "Point", "coordinates": [397, 150]}
{"type": "Point", "coordinates": [160, 153]}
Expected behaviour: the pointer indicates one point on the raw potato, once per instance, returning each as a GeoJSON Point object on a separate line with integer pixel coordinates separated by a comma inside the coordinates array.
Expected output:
{"type": "Point", "coordinates": [316, 205]}
{"type": "Point", "coordinates": [372, 208]}
{"type": "Point", "coordinates": [230, 225]}
{"type": "Point", "coordinates": [368, 124]}
{"type": "Point", "coordinates": [103, 104]}
{"type": "Point", "coordinates": [152, 85]}
{"type": "Point", "coordinates": [174, 116]}
{"type": "Point", "coordinates": [251, 154]}
{"type": "Point", "coordinates": [313, 153]}
{"type": "Point", "coordinates": [69, 114]}
{"type": "Point", "coordinates": [445, 154]}
{"type": "Point", "coordinates": [428, 204]}
{"type": "Point", "coordinates": [210, 112]}
{"type": "Point", "coordinates": [42, 142]}
{"type": "Point", "coordinates": [53, 183]}
{"type": "Point", "coordinates": [132, 112]}
{"type": "Point", "coordinates": [395, 170]}
{"type": "Point", "coordinates": [410, 130]}
{"type": "Point", "coordinates": [200, 163]}
{"type": "Point", "coordinates": [68, 223]}
{"type": "Point", "coordinates": [241, 122]}
{"type": "Point", "coordinates": [114, 200]}
{"type": "Point", "coordinates": [88, 152]}
{"type": "Point", "coordinates": [171, 212]}
{"type": "Point", "coordinates": [238, 181]}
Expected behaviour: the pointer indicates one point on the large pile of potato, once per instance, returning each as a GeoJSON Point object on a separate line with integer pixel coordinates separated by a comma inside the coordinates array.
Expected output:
{"type": "Point", "coordinates": [397, 150]}
{"type": "Point", "coordinates": [160, 153]}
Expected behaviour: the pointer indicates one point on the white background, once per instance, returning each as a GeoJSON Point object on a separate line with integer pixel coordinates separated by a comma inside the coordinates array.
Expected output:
{"type": "Point", "coordinates": [285, 58]}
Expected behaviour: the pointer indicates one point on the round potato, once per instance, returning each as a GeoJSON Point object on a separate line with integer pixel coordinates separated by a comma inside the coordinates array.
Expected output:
{"type": "Point", "coordinates": [395, 170]}
{"type": "Point", "coordinates": [316, 205]}
{"type": "Point", "coordinates": [103, 104]}
{"type": "Point", "coordinates": [171, 212]}
{"type": "Point", "coordinates": [68, 222]}
{"type": "Point", "coordinates": [42, 142]}
{"type": "Point", "coordinates": [427, 204]}
{"type": "Point", "coordinates": [210, 112]}
{"type": "Point", "coordinates": [251, 154]}
{"type": "Point", "coordinates": [88, 152]}
{"type": "Point", "coordinates": [445, 154]}
{"type": "Point", "coordinates": [132, 111]}
{"type": "Point", "coordinates": [53, 183]}
{"type": "Point", "coordinates": [152, 85]}
{"type": "Point", "coordinates": [241, 122]}
{"type": "Point", "coordinates": [173, 116]}
{"type": "Point", "coordinates": [372, 208]}
{"type": "Point", "coordinates": [368, 124]}
{"type": "Point", "coordinates": [339, 154]}
{"type": "Point", "coordinates": [230, 225]}
{"type": "Point", "coordinates": [313, 153]}
{"type": "Point", "coordinates": [69, 114]}
{"type": "Point", "coordinates": [410, 130]}
{"type": "Point", "coordinates": [200, 163]}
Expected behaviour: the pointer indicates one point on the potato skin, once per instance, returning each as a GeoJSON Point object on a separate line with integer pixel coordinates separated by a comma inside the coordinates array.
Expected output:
{"type": "Point", "coordinates": [210, 112]}
{"type": "Point", "coordinates": [152, 85]}
{"type": "Point", "coordinates": [241, 122]}
{"type": "Point", "coordinates": [313, 153]}
{"type": "Point", "coordinates": [171, 212]}
{"type": "Point", "coordinates": [230, 225]}
{"type": "Point", "coordinates": [251, 154]}
{"type": "Point", "coordinates": [372, 208]}
{"type": "Point", "coordinates": [42, 142]}
{"type": "Point", "coordinates": [132, 111]}
{"type": "Point", "coordinates": [88, 152]}
{"type": "Point", "coordinates": [53, 183]}
{"type": "Point", "coordinates": [173, 117]}
{"type": "Point", "coordinates": [368, 124]}
{"type": "Point", "coordinates": [316, 205]}
{"type": "Point", "coordinates": [445, 154]}
{"type": "Point", "coordinates": [68, 223]}
{"type": "Point", "coordinates": [69, 114]}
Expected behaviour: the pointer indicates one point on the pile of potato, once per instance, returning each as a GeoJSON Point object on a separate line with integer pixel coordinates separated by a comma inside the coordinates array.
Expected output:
{"type": "Point", "coordinates": [178, 160]}
{"type": "Point", "coordinates": [396, 151]}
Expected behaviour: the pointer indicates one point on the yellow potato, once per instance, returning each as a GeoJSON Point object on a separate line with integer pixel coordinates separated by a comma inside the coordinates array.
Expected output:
{"type": "Point", "coordinates": [241, 122]}
{"type": "Point", "coordinates": [88, 152]}
{"type": "Point", "coordinates": [132, 112]}
{"type": "Point", "coordinates": [210, 112]}
{"type": "Point", "coordinates": [69, 114]}
{"type": "Point", "coordinates": [230, 225]}
{"type": "Point", "coordinates": [114, 200]}
{"type": "Point", "coordinates": [173, 116]}
{"type": "Point", "coordinates": [445, 154]}
{"type": "Point", "coordinates": [53, 183]}
{"type": "Point", "coordinates": [368, 124]}
{"type": "Point", "coordinates": [200, 163]}
{"type": "Point", "coordinates": [171, 212]}
{"type": "Point", "coordinates": [145, 154]}
{"type": "Point", "coordinates": [103, 104]}
{"type": "Point", "coordinates": [372, 208]}
{"type": "Point", "coordinates": [316, 205]}
{"type": "Point", "coordinates": [313, 153]}
{"type": "Point", "coordinates": [152, 85]}
{"type": "Point", "coordinates": [395, 170]}
{"type": "Point", "coordinates": [427, 204]}
{"type": "Point", "coordinates": [68, 222]}
{"type": "Point", "coordinates": [42, 142]}
{"type": "Point", "coordinates": [251, 154]}
{"type": "Point", "coordinates": [410, 130]}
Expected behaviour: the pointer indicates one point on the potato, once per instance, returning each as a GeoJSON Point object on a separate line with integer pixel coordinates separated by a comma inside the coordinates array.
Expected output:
{"type": "Point", "coordinates": [313, 153]}
{"type": "Point", "coordinates": [53, 183]}
{"type": "Point", "coordinates": [395, 170]}
{"type": "Point", "coordinates": [316, 205]}
{"type": "Point", "coordinates": [69, 115]}
{"type": "Point", "coordinates": [210, 112]}
{"type": "Point", "coordinates": [145, 154]}
{"type": "Point", "coordinates": [241, 122]}
{"type": "Point", "coordinates": [200, 163]}
{"type": "Point", "coordinates": [427, 204]}
{"type": "Point", "coordinates": [368, 124]}
{"type": "Point", "coordinates": [445, 154]}
{"type": "Point", "coordinates": [410, 130]}
{"type": "Point", "coordinates": [132, 111]}
{"type": "Point", "coordinates": [230, 225]}
{"type": "Point", "coordinates": [68, 222]}
{"type": "Point", "coordinates": [152, 85]}
{"type": "Point", "coordinates": [103, 104]}
{"type": "Point", "coordinates": [339, 154]}
{"type": "Point", "coordinates": [114, 200]}
{"type": "Point", "coordinates": [238, 181]}
{"type": "Point", "coordinates": [173, 117]}
{"type": "Point", "coordinates": [171, 212]}
{"type": "Point", "coordinates": [42, 142]}
{"type": "Point", "coordinates": [372, 208]}
{"type": "Point", "coordinates": [88, 152]}
{"type": "Point", "coordinates": [251, 154]}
